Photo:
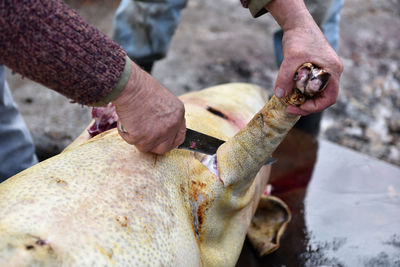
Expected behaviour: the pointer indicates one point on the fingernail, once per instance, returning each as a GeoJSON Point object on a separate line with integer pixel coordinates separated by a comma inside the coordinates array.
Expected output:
{"type": "Point", "coordinates": [279, 92]}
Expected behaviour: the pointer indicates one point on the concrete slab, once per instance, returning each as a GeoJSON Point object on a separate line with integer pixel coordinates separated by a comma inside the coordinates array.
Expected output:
{"type": "Point", "coordinates": [345, 209]}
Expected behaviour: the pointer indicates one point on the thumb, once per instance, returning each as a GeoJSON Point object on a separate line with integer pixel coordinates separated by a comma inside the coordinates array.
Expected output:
{"type": "Point", "coordinates": [284, 81]}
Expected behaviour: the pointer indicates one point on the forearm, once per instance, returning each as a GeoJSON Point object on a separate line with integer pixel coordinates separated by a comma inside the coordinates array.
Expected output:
{"type": "Point", "coordinates": [289, 14]}
{"type": "Point", "coordinates": [50, 43]}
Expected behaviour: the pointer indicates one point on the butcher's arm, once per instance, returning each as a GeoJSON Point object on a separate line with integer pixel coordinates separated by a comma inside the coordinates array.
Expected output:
{"type": "Point", "coordinates": [302, 42]}
{"type": "Point", "coordinates": [48, 42]}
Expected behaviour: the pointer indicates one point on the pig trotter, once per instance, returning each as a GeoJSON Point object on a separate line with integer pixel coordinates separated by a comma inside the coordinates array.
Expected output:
{"type": "Point", "coordinates": [255, 143]}
{"type": "Point", "coordinates": [309, 81]}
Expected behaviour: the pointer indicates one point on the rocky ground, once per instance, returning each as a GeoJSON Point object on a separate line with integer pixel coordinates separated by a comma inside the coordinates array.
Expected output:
{"type": "Point", "coordinates": [214, 45]}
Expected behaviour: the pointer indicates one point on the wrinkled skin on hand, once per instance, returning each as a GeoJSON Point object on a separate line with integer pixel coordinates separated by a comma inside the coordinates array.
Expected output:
{"type": "Point", "coordinates": [303, 41]}
{"type": "Point", "coordinates": [152, 116]}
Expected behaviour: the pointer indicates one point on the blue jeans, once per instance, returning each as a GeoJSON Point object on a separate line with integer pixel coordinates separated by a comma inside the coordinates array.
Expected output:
{"type": "Point", "coordinates": [16, 147]}
{"type": "Point", "coordinates": [145, 28]}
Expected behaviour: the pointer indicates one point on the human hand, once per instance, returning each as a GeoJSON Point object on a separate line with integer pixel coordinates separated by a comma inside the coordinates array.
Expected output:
{"type": "Point", "coordinates": [303, 42]}
{"type": "Point", "coordinates": [151, 115]}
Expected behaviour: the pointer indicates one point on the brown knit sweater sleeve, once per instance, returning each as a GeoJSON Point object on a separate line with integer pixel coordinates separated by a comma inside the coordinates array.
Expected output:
{"type": "Point", "coordinates": [50, 43]}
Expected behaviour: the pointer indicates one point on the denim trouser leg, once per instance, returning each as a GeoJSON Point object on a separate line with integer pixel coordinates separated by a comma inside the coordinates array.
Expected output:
{"type": "Point", "coordinates": [330, 28]}
{"type": "Point", "coordinates": [331, 25]}
{"type": "Point", "coordinates": [16, 147]}
{"type": "Point", "coordinates": [144, 28]}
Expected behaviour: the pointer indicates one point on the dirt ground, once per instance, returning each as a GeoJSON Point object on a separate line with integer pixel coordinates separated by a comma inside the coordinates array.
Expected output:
{"type": "Point", "coordinates": [218, 45]}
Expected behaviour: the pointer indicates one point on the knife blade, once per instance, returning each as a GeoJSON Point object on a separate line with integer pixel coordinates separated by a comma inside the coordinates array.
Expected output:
{"type": "Point", "coordinates": [201, 142]}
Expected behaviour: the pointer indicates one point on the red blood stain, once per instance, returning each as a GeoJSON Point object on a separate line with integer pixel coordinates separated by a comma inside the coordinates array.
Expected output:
{"type": "Point", "coordinates": [193, 144]}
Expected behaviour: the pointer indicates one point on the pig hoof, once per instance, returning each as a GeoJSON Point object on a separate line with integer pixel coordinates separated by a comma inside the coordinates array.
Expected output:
{"type": "Point", "coordinates": [311, 79]}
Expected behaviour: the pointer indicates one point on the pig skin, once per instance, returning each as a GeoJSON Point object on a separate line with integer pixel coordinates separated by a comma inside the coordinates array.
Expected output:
{"type": "Point", "coordinates": [102, 202]}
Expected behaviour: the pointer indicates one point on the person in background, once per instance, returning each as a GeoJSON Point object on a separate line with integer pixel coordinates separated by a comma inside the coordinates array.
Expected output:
{"type": "Point", "coordinates": [50, 43]}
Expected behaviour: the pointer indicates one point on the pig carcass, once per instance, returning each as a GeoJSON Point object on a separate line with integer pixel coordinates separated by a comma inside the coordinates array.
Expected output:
{"type": "Point", "coordinates": [102, 202]}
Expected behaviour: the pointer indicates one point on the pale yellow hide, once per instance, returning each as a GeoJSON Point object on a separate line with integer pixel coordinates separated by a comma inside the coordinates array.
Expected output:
{"type": "Point", "coordinates": [103, 202]}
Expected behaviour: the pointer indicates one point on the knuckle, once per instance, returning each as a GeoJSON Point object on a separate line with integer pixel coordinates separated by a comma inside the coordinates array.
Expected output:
{"type": "Point", "coordinates": [341, 67]}
{"type": "Point", "coordinates": [181, 107]}
{"type": "Point", "coordinates": [134, 137]}
{"type": "Point", "coordinates": [331, 102]}
{"type": "Point", "coordinates": [173, 127]}
{"type": "Point", "coordinates": [336, 64]}
{"type": "Point", "coordinates": [144, 147]}
{"type": "Point", "coordinates": [129, 141]}
{"type": "Point", "coordinates": [138, 139]}
{"type": "Point", "coordinates": [163, 133]}
{"type": "Point", "coordinates": [128, 138]}
{"type": "Point", "coordinates": [161, 148]}
{"type": "Point", "coordinates": [180, 140]}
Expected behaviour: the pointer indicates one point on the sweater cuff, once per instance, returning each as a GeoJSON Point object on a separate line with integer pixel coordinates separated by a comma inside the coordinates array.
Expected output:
{"type": "Point", "coordinates": [256, 7]}
{"type": "Point", "coordinates": [123, 80]}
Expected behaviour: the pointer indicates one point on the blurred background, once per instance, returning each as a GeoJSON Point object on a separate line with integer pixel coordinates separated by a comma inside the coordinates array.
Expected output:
{"type": "Point", "coordinates": [216, 45]}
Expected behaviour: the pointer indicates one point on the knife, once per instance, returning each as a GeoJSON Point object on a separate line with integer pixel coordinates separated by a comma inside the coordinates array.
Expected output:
{"type": "Point", "coordinates": [201, 142]}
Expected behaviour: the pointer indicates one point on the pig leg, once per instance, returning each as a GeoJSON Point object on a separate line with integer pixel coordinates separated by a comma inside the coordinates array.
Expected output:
{"type": "Point", "coordinates": [240, 158]}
